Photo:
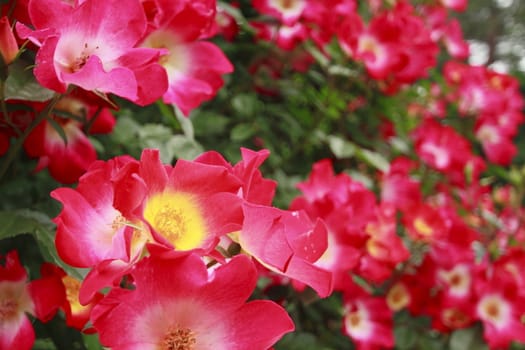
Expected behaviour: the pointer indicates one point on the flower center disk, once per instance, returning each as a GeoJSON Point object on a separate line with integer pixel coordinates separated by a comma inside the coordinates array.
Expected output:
{"type": "Point", "coordinates": [179, 339]}
{"type": "Point", "coordinates": [177, 217]}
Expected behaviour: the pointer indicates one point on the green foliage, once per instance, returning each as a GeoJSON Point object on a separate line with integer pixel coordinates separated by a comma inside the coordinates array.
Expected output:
{"type": "Point", "coordinates": [22, 85]}
{"type": "Point", "coordinates": [39, 225]}
{"type": "Point", "coordinates": [467, 339]}
{"type": "Point", "coordinates": [132, 137]}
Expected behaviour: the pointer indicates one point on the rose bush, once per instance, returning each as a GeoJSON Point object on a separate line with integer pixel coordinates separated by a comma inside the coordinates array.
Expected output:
{"type": "Point", "coordinates": [257, 174]}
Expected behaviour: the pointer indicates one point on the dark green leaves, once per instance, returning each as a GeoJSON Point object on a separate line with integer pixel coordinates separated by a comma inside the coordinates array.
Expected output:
{"type": "Point", "coordinates": [24, 221]}
{"type": "Point", "coordinates": [22, 85]}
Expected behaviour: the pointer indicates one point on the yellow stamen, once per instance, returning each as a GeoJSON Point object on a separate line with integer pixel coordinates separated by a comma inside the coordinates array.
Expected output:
{"type": "Point", "coordinates": [177, 217]}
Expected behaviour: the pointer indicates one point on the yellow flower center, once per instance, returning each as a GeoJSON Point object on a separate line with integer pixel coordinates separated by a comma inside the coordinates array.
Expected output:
{"type": "Point", "coordinates": [14, 301]}
{"type": "Point", "coordinates": [422, 227]}
{"type": "Point", "coordinates": [354, 319]}
{"type": "Point", "coordinates": [397, 297]}
{"type": "Point", "coordinates": [8, 308]}
{"type": "Point", "coordinates": [458, 280]}
{"type": "Point", "coordinates": [72, 286]}
{"type": "Point", "coordinates": [357, 323]}
{"type": "Point", "coordinates": [178, 338]}
{"type": "Point", "coordinates": [80, 61]}
{"type": "Point", "coordinates": [177, 217]}
{"type": "Point", "coordinates": [494, 309]}
{"type": "Point", "coordinates": [176, 60]}
{"type": "Point", "coordinates": [455, 318]}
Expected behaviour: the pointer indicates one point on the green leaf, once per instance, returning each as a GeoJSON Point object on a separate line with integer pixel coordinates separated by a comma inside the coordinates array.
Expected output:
{"type": "Point", "coordinates": [467, 339]}
{"type": "Point", "coordinates": [126, 130]}
{"type": "Point", "coordinates": [23, 221]}
{"type": "Point", "coordinates": [340, 147]}
{"type": "Point", "coordinates": [185, 123]}
{"type": "Point", "coordinates": [374, 159]}
{"type": "Point", "coordinates": [318, 55]}
{"type": "Point", "coordinates": [245, 104]}
{"type": "Point", "coordinates": [46, 242]}
{"type": "Point", "coordinates": [22, 85]}
{"type": "Point", "coordinates": [428, 342]}
{"type": "Point", "coordinates": [58, 128]}
{"type": "Point", "coordinates": [154, 133]}
{"type": "Point", "coordinates": [183, 148]}
{"type": "Point", "coordinates": [206, 123]}
{"type": "Point", "coordinates": [405, 337]}
{"type": "Point", "coordinates": [502, 172]}
{"type": "Point", "coordinates": [299, 341]}
{"type": "Point", "coordinates": [130, 133]}
{"type": "Point", "coordinates": [158, 136]}
{"type": "Point", "coordinates": [242, 132]}
{"type": "Point", "coordinates": [363, 178]}
{"type": "Point", "coordinates": [99, 147]}
{"type": "Point", "coordinates": [236, 13]}
{"type": "Point", "coordinates": [91, 342]}
{"type": "Point", "coordinates": [43, 344]}
{"type": "Point", "coordinates": [18, 222]}
{"type": "Point", "coordinates": [399, 145]}
{"type": "Point", "coordinates": [342, 71]}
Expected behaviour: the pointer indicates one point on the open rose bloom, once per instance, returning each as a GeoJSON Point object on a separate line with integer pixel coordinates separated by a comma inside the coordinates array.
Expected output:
{"type": "Point", "coordinates": [19, 297]}
{"type": "Point", "coordinates": [146, 230]}
{"type": "Point", "coordinates": [179, 304]}
{"type": "Point", "coordinates": [159, 54]}
{"type": "Point", "coordinates": [87, 52]}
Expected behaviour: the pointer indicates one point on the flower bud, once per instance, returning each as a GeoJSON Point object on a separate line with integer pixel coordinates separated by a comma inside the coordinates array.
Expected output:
{"type": "Point", "coordinates": [8, 44]}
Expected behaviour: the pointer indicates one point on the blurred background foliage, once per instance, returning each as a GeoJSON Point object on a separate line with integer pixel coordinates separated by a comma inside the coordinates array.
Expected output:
{"type": "Point", "coordinates": [497, 31]}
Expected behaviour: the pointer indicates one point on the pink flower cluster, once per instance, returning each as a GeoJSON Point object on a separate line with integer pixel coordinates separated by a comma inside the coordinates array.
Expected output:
{"type": "Point", "coordinates": [397, 46]}
{"type": "Point", "coordinates": [152, 49]}
{"type": "Point", "coordinates": [86, 51]}
{"type": "Point", "coordinates": [18, 297]}
{"type": "Point", "coordinates": [416, 252]}
{"type": "Point", "coordinates": [494, 99]}
{"type": "Point", "coordinates": [161, 238]}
